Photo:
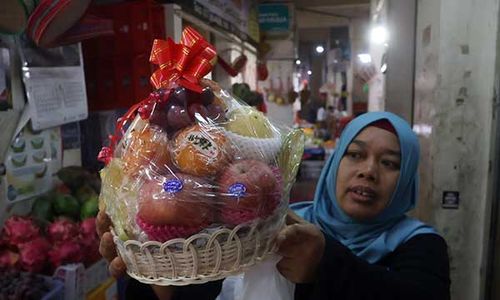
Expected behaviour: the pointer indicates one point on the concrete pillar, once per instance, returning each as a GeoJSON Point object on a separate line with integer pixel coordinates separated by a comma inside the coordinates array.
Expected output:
{"type": "Point", "coordinates": [456, 51]}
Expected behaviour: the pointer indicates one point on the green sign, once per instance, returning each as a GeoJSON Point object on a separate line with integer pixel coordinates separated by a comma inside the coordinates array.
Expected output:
{"type": "Point", "coordinates": [274, 17]}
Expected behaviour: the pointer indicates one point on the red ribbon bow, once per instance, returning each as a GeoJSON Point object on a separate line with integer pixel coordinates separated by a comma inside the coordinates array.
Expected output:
{"type": "Point", "coordinates": [185, 63]}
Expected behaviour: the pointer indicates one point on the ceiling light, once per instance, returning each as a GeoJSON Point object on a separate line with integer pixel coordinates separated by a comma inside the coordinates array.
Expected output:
{"type": "Point", "coordinates": [365, 58]}
{"type": "Point", "coordinates": [309, 72]}
{"type": "Point", "coordinates": [379, 35]}
{"type": "Point", "coordinates": [320, 49]}
{"type": "Point", "coordinates": [298, 62]}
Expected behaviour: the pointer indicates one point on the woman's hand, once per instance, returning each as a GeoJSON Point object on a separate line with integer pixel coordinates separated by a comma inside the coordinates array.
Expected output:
{"type": "Point", "coordinates": [117, 267]}
{"type": "Point", "coordinates": [302, 245]}
{"type": "Point", "coordinates": [107, 247]}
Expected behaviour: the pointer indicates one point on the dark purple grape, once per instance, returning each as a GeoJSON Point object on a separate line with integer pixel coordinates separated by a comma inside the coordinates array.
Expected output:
{"type": "Point", "coordinates": [207, 96]}
{"type": "Point", "coordinates": [192, 96]}
{"type": "Point", "coordinates": [197, 108]}
{"type": "Point", "coordinates": [178, 117]}
{"type": "Point", "coordinates": [178, 97]}
{"type": "Point", "coordinates": [159, 117]}
{"type": "Point", "coordinates": [216, 113]}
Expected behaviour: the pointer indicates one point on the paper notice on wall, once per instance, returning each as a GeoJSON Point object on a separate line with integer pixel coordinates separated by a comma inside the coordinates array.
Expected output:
{"type": "Point", "coordinates": [57, 96]}
{"type": "Point", "coordinates": [55, 84]}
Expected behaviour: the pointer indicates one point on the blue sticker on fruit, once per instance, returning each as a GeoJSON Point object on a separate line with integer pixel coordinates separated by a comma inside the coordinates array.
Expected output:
{"type": "Point", "coordinates": [173, 186]}
{"type": "Point", "coordinates": [237, 190]}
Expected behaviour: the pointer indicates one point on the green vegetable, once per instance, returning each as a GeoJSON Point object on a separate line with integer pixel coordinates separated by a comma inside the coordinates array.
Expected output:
{"type": "Point", "coordinates": [89, 208]}
{"type": "Point", "coordinates": [42, 209]}
{"type": "Point", "coordinates": [66, 205]}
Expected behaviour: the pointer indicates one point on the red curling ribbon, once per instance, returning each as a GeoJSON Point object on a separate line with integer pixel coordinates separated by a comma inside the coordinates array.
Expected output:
{"type": "Point", "coordinates": [184, 63]}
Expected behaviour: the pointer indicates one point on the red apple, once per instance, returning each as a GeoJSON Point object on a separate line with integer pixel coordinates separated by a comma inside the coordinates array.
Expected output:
{"type": "Point", "coordinates": [247, 185]}
{"type": "Point", "coordinates": [182, 200]}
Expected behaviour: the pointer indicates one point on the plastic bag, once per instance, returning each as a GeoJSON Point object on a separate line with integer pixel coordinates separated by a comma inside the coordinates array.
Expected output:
{"type": "Point", "coordinates": [262, 281]}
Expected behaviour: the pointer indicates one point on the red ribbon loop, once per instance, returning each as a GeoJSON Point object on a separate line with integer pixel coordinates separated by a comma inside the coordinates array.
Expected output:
{"type": "Point", "coordinates": [185, 63]}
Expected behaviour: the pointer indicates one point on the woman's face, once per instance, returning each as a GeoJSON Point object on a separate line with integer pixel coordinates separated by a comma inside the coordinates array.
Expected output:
{"type": "Point", "coordinates": [368, 173]}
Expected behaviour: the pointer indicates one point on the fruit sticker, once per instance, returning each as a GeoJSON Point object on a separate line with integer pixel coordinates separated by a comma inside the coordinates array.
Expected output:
{"type": "Point", "coordinates": [237, 190]}
{"type": "Point", "coordinates": [172, 186]}
{"type": "Point", "coordinates": [203, 144]}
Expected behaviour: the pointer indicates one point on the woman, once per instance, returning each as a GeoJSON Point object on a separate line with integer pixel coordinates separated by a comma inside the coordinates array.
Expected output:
{"type": "Point", "coordinates": [360, 244]}
{"type": "Point", "coordinates": [354, 241]}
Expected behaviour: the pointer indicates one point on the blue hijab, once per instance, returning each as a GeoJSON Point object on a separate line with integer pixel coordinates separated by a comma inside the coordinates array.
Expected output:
{"type": "Point", "coordinates": [374, 239]}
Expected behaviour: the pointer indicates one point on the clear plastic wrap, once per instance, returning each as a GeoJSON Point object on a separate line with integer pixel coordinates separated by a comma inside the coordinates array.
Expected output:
{"type": "Point", "coordinates": [196, 182]}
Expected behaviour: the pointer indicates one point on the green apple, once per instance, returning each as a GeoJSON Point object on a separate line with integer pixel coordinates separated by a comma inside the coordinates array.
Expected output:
{"type": "Point", "coordinates": [247, 121]}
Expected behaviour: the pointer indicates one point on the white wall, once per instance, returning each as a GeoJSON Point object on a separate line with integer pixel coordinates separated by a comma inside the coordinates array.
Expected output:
{"type": "Point", "coordinates": [358, 38]}
{"type": "Point", "coordinates": [454, 88]}
{"type": "Point", "coordinates": [376, 94]}
{"type": "Point", "coordinates": [394, 90]}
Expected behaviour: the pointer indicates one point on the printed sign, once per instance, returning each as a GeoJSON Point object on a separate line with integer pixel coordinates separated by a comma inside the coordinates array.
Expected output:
{"type": "Point", "coordinates": [451, 199]}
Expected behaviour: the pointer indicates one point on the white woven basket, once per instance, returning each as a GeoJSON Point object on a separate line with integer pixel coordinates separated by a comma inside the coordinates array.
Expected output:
{"type": "Point", "coordinates": [202, 257]}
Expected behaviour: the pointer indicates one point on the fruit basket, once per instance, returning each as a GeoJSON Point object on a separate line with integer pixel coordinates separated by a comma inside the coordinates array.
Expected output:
{"type": "Point", "coordinates": [196, 183]}
{"type": "Point", "coordinates": [201, 257]}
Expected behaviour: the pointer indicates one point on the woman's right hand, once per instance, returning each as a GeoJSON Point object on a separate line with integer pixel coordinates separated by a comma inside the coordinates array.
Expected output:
{"type": "Point", "coordinates": [107, 247]}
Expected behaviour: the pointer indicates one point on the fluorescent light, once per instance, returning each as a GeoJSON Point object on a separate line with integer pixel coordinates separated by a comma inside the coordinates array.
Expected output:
{"type": "Point", "coordinates": [309, 72]}
{"type": "Point", "coordinates": [298, 62]}
{"type": "Point", "coordinates": [365, 58]}
{"type": "Point", "coordinates": [320, 49]}
{"type": "Point", "coordinates": [379, 35]}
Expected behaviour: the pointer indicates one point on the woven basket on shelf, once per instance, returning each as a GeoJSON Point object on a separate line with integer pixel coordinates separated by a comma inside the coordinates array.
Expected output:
{"type": "Point", "coordinates": [202, 257]}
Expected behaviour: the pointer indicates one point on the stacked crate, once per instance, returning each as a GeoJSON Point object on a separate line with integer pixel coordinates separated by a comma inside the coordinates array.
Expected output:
{"type": "Point", "coordinates": [117, 67]}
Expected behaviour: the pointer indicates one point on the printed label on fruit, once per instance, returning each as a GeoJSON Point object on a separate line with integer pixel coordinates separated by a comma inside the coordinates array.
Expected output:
{"type": "Point", "coordinates": [237, 190]}
{"type": "Point", "coordinates": [203, 144]}
{"type": "Point", "coordinates": [172, 186]}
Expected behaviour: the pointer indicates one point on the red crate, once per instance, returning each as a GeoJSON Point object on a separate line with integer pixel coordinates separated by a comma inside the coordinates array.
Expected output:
{"type": "Point", "coordinates": [141, 73]}
{"type": "Point", "coordinates": [157, 17]}
{"type": "Point", "coordinates": [90, 49]}
{"type": "Point", "coordinates": [140, 27]}
{"type": "Point", "coordinates": [90, 69]}
{"type": "Point", "coordinates": [123, 40]}
{"type": "Point", "coordinates": [124, 89]}
{"type": "Point", "coordinates": [105, 86]}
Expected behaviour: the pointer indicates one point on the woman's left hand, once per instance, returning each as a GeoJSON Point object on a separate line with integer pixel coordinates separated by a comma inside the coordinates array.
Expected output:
{"type": "Point", "coordinates": [302, 245]}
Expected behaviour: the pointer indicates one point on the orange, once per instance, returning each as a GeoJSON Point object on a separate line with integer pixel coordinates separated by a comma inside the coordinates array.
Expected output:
{"type": "Point", "coordinates": [201, 150]}
{"type": "Point", "coordinates": [147, 148]}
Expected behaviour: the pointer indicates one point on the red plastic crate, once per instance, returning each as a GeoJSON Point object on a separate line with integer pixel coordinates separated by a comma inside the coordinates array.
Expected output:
{"type": "Point", "coordinates": [124, 89]}
{"type": "Point", "coordinates": [105, 86]}
{"type": "Point", "coordinates": [90, 69]}
{"type": "Point", "coordinates": [157, 17]}
{"type": "Point", "coordinates": [140, 27]}
{"type": "Point", "coordinates": [141, 73]}
{"type": "Point", "coordinates": [90, 49]}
